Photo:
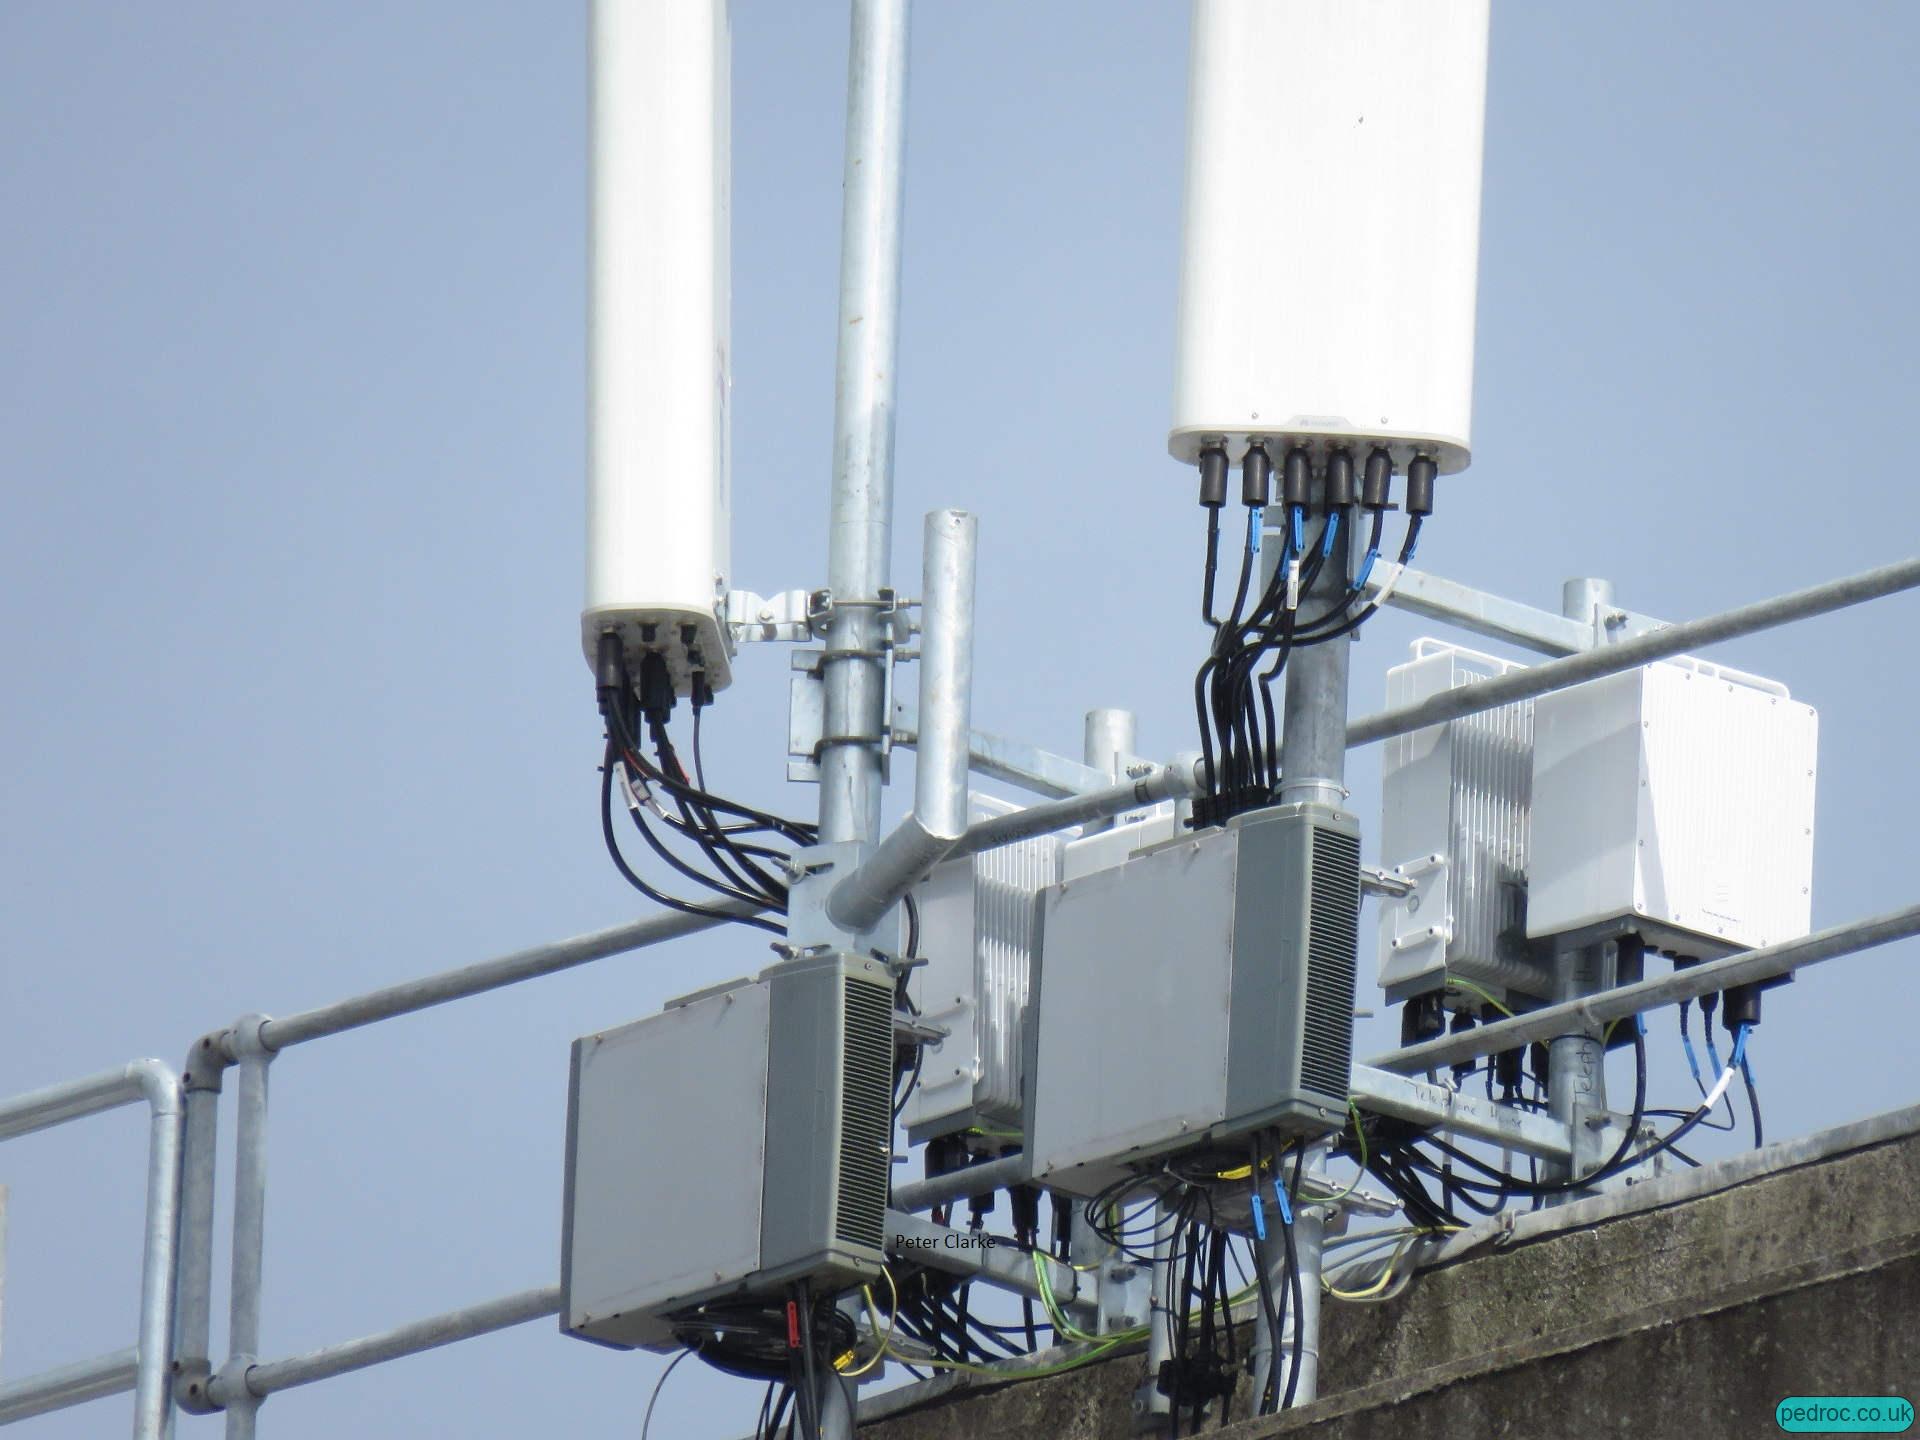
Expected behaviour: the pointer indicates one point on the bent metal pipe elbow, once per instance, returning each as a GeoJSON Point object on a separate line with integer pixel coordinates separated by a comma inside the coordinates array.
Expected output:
{"type": "Point", "coordinates": [158, 1085]}
{"type": "Point", "coordinates": [862, 900]}
{"type": "Point", "coordinates": [939, 820]}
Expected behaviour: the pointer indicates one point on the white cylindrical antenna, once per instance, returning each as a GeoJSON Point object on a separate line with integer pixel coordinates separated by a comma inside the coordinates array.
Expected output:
{"type": "Point", "coordinates": [1332, 228]}
{"type": "Point", "coordinates": [658, 490]}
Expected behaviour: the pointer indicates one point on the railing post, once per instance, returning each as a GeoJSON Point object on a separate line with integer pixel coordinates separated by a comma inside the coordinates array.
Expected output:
{"type": "Point", "coordinates": [153, 1381]}
{"type": "Point", "coordinates": [200, 1082]}
{"type": "Point", "coordinates": [249, 1228]}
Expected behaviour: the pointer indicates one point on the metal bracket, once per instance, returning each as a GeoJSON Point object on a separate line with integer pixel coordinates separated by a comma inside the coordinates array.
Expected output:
{"type": "Point", "coordinates": [1444, 1108]}
{"type": "Point", "coordinates": [918, 1032]}
{"type": "Point", "coordinates": [806, 692]}
{"type": "Point", "coordinates": [1391, 883]}
{"type": "Point", "coordinates": [814, 872]}
{"type": "Point", "coordinates": [806, 716]}
{"type": "Point", "coordinates": [1543, 631]}
{"type": "Point", "coordinates": [789, 615]}
{"type": "Point", "coordinates": [1418, 949]}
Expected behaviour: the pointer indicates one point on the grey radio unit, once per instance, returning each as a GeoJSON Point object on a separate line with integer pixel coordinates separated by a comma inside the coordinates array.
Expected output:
{"type": "Point", "coordinates": [1195, 994]}
{"type": "Point", "coordinates": [733, 1144]}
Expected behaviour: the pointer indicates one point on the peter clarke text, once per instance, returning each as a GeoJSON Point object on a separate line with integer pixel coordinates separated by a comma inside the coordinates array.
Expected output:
{"type": "Point", "coordinates": [952, 1240]}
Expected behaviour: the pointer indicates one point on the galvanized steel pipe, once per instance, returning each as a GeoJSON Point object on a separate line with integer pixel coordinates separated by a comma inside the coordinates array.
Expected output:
{"type": "Point", "coordinates": [861, 900]}
{"type": "Point", "coordinates": [1528, 684]}
{"type": "Point", "coordinates": [860, 522]}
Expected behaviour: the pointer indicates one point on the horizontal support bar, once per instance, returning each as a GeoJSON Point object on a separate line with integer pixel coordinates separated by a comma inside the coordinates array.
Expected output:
{"type": "Point", "coordinates": [966, 1252]}
{"type": "Point", "coordinates": [68, 1386]}
{"type": "Point", "coordinates": [1169, 782]}
{"type": "Point", "coordinates": [972, 1180]}
{"type": "Point", "coordinates": [1013, 761]}
{"type": "Point", "coordinates": [1498, 690]}
{"type": "Point", "coordinates": [1498, 618]}
{"type": "Point", "coordinates": [1384, 1093]}
{"type": "Point", "coordinates": [1589, 1015]}
{"type": "Point", "coordinates": [77, 1099]}
{"type": "Point", "coordinates": [455, 1325]}
{"type": "Point", "coordinates": [422, 994]}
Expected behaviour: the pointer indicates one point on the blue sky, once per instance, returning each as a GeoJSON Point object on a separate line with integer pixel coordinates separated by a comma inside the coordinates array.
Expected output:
{"type": "Point", "coordinates": [292, 453]}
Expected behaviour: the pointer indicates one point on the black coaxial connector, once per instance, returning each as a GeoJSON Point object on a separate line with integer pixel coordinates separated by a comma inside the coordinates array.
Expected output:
{"type": "Point", "coordinates": [1376, 484]}
{"type": "Point", "coordinates": [1213, 477]}
{"type": "Point", "coordinates": [1339, 479]}
{"type": "Point", "coordinates": [1420, 476]}
{"type": "Point", "coordinates": [1256, 476]}
{"type": "Point", "coordinates": [1296, 481]}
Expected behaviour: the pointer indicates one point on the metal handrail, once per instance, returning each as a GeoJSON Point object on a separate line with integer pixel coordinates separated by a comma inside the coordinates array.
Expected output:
{"type": "Point", "coordinates": [145, 1368]}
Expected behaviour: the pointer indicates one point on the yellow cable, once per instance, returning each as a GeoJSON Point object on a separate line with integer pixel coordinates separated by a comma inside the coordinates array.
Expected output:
{"type": "Point", "coordinates": [873, 1319]}
{"type": "Point", "coordinates": [1360, 1134]}
{"type": "Point", "coordinates": [1061, 1325]}
{"type": "Point", "coordinates": [1412, 1235]}
{"type": "Point", "coordinates": [1485, 995]}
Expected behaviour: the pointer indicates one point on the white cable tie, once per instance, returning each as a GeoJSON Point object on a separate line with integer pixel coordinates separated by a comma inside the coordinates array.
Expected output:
{"type": "Point", "coordinates": [626, 789]}
{"type": "Point", "coordinates": [1293, 583]}
{"type": "Point", "coordinates": [1385, 588]}
{"type": "Point", "coordinates": [1713, 1095]}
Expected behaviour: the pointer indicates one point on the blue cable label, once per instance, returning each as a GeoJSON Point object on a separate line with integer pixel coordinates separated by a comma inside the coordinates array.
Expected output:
{"type": "Point", "coordinates": [1366, 569]}
{"type": "Point", "coordinates": [1280, 1194]}
{"type": "Point", "coordinates": [1693, 1060]}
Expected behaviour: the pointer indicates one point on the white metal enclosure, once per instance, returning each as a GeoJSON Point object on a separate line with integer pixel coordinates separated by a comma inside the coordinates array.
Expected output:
{"type": "Point", "coordinates": [658, 490]}
{"type": "Point", "coordinates": [1679, 796]}
{"type": "Point", "coordinates": [1332, 227]}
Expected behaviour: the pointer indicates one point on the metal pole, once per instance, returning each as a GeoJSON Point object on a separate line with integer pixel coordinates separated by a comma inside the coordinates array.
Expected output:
{"type": "Point", "coordinates": [1441, 1107]}
{"type": "Point", "coordinates": [409, 1339]}
{"type": "Point", "coordinates": [69, 1385]}
{"type": "Point", "coordinates": [1313, 769]}
{"type": "Point", "coordinates": [854, 664]}
{"type": "Point", "coordinates": [230, 1387]}
{"type": "Point", "coordinates": [1109, 742]}
{"type": "Point", "coordinates": [1014, 761]}
{"type": "Point", "coordinates": [200, 1082]}
{"type": "Point", "coordinates": [71, 1100]}
{"type": "Point", "coordinates": [1260, 1358]}
{"type": "Point", "coordinates": [1150, 1406]}
{"type": "Point", "coordinates": [1313, 744]}
{"type": "Point", "coordinates": [949, 544]}
{"type": "Point", "coordinates": [1001, 1264]}
{"type": "Point", "coordinates": [1309, 1244]}
{"type": "Point", "coordinates": [1577, 1062]}
{"type": "Point", "coordinates": [955, 1184]}
{"type": "Point", "coordinates": [1586, 601]}
{"type": "Point", "coordinates": [154, 1082]}
{"type": "Point", "coordinates": [1171, 782]}
{"type": "Point", "coordinates": [1747, 968]}
{"type": "Point", "coordinates": [860, 526]}
{"type": "Point", "coordinates": [1498, 690]}
{"type": "Point", "coordinates": [476, 979]}
{"type": "Point", "coordinates": [153, 1384]}
{"type": "Point", "coordinates": [939, 818]}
